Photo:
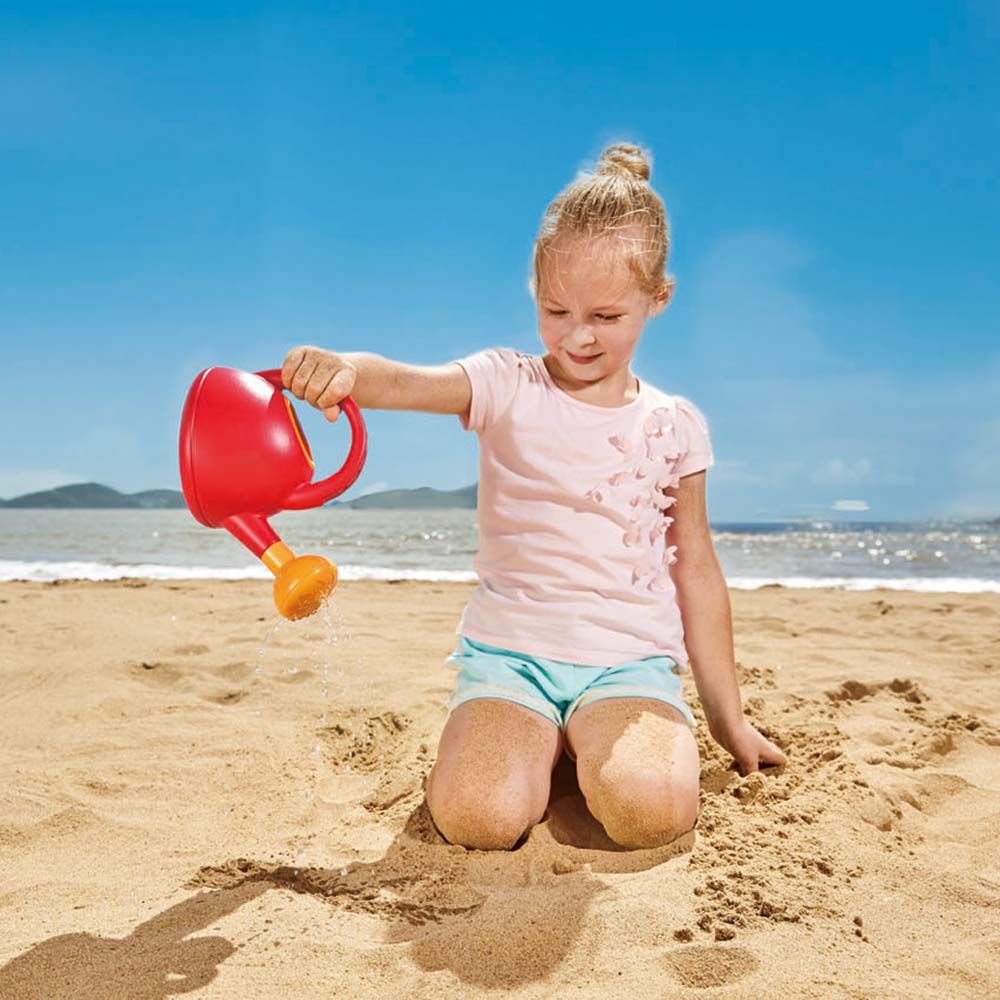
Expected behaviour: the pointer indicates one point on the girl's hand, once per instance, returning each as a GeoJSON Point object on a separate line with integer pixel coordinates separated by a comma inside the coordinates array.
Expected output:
{"type": "Point", "coordinates": [320, 377]}
{"type": "Point", "coordinates": [749, 748]}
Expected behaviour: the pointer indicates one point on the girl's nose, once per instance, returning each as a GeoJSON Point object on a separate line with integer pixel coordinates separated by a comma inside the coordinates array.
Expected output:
{"type": "Point", "coordinates": [583, 337]}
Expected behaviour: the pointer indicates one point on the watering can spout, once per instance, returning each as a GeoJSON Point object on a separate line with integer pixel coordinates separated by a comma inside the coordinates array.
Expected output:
{"type": "Point", "coordinates": [301, 583]}
{"type": "Point", "coordinates": [244, 458]}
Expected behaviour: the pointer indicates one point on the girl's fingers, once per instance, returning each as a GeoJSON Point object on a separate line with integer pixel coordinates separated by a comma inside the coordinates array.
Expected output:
{"type": "Point", "coordinates": [291, 364]}
{"type": "Point", "coordinates": [319, 385]}
{"type": "Point", "coordinates": [339, 386]}
{"type": "Point", "coordinates": [302, 376]}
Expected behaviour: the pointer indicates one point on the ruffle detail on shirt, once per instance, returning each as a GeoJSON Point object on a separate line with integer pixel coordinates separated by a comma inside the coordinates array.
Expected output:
{"type": "Point", "coordinates": [528, 365]}
{"type": "Point", "coordinates": [638, 486]}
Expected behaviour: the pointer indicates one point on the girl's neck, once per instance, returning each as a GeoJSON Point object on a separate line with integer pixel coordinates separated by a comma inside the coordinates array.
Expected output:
{"type": "Point", "coordinates": [618, 388]}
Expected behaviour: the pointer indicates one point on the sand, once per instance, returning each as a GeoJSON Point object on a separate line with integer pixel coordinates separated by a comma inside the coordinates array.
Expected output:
{"type": "Point", "coordinates": [183, 811]}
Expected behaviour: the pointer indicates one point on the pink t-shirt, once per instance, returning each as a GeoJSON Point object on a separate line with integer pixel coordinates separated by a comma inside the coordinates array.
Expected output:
{"type": "Point", "coordinates": [572, 557]}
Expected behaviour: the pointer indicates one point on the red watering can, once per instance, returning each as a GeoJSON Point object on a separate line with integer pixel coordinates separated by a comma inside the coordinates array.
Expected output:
{"type": "Point", "coordinates": [244, 458]}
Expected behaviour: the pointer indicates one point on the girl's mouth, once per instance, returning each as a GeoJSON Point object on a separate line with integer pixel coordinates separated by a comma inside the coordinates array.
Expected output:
{"type": "Point", "coordinates": [582, 361]}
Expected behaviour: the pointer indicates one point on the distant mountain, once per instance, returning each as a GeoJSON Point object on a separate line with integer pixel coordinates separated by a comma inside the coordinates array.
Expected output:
{"type": "Point", "coordinates": [422, 498]}
{"type": "Point", "coordinates": [90, 496]}
{"type": "Point", "coordinates": [96, 496]}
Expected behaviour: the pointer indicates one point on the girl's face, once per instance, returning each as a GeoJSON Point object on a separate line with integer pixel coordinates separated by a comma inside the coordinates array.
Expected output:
{"type": "Point", "coordinates": [590, 310]}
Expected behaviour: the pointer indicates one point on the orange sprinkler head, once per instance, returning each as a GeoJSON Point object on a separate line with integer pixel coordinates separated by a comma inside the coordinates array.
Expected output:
{"type": "Point", "coordinates": [301, 583]}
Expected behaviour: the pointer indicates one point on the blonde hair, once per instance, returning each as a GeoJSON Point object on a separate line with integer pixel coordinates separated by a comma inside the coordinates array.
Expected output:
{"type": "Point", "coordinates": [616, 201]}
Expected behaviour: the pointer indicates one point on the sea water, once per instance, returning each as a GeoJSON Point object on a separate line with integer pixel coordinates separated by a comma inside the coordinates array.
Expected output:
{"type": "Point", "coordinates": [930, 555]}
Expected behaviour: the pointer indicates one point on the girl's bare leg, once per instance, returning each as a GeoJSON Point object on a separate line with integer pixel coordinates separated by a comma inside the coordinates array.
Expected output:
{"type": "Point", "coordinates": [637, 766]}
{"type": "Point", "coordinates": [493, 772]}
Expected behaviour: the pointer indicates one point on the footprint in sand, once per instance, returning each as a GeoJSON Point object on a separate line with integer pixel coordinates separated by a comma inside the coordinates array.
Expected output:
{"type": "Point", "coordinates": [850, 691]}
{"type": "Point", "coordinates": [235, 672]}
{"type": "Point", "coordinates": [904, 688]}
{"type": "Point", "coordinates": [938, 737]}
{"type": "Point", "coordinates": [366, 744]}
{"type": "Point", "coordinates": [773, 626]}
{"type": "Point", "coordinates": [706, 966]}
{"type": "Point", "coordinates": [384, 745]}
{"type": "Point", "coordinates": [156, 673]}
{"type": "Point", "coordinates": [882, 807]}
{"type": "Point", "coordinates": [227, 697]}
{"type": "Point", "coordinates": [201, 681]}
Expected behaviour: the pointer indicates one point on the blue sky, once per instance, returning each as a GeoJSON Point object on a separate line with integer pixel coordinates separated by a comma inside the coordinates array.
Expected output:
{"type": "Point", "coordinates": [189, 185]}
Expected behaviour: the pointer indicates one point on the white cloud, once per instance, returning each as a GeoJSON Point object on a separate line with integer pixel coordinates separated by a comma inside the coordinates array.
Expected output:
{"type": "Point", "coordinates": [850, 505]}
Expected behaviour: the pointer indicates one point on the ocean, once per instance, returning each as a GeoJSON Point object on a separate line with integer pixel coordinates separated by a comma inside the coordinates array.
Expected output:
{"type": "Point", "coordinates": [48, 544]}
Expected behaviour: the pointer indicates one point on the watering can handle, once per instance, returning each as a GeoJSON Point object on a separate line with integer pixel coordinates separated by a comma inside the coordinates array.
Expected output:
{"type": "Point", "coordinates": [314, 494]}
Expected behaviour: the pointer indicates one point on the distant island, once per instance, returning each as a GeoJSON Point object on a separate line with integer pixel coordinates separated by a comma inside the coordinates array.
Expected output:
{"type": "Point", "coordinates": [95, 496]}
{"type": "Point", "coordinates": [421, 498]}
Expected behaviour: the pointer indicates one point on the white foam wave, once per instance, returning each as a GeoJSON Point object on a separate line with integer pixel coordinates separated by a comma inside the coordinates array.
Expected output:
{"type": "Point", "coordinates": [926, 584]}
{"type": "Point", "coordinates": [44, 571]}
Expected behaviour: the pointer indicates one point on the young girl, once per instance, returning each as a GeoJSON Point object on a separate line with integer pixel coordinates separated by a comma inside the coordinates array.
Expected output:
{"type": "Point", "coordinates": [592, 598]}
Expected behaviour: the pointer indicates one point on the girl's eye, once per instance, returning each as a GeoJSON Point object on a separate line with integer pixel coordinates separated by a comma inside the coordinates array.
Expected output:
{"type": "Point", "coordinates": [605, 316]}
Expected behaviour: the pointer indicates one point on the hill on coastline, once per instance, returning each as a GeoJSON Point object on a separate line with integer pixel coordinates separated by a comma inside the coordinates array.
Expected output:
{"type": "Point", "coordinates": [422, 498]}
{"type": "Point", "coordinates": [96, 496]}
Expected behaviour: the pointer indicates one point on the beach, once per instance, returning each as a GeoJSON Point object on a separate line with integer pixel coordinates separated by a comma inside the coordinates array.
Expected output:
{"type": "Point", "coordinates": [199, 799]}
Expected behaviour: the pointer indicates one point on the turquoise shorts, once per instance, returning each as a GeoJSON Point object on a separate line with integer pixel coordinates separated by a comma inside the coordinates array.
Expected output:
{"type": "Point", "coordinates": [557, 689]}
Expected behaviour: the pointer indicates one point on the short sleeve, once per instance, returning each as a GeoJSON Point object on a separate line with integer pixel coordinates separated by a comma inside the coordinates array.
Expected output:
{"type": "Point", "coordinates": [494, 374]}
{"type": "Point", "coordinates": [693, 438]}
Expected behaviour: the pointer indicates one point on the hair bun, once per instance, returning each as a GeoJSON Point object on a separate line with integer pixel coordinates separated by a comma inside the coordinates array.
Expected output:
{"type": "Point", "coordinates": [625, 160]}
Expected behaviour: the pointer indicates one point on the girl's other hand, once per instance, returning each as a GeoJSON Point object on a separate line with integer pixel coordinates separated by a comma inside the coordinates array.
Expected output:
{"type": "Point", "coordinates": [749, 748]}
{"type": "Point", "coordinates": [320, 377]}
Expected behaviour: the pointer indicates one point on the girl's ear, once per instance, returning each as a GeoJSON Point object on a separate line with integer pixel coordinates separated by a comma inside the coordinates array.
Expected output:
{"type": "Point", "coordinates": [662, 298]}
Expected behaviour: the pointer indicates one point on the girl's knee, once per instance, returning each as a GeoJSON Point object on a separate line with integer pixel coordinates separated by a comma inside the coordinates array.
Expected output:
{"type": "Point", "coordinates": [483, 819]}
{"type": "Point", "coordinates": [493, 773]}
{"type": "Point", "coordinates": [645, 808]}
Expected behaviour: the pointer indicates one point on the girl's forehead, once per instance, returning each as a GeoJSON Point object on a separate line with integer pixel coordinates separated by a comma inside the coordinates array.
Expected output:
{"type": "Point", "coordinates": [594, 280]}
{"type": "Point", "coordinates": [587, 273]}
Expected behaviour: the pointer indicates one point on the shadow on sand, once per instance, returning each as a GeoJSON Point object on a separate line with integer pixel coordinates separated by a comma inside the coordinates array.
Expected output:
{"type": "Point", "coordinates": [495, 919]}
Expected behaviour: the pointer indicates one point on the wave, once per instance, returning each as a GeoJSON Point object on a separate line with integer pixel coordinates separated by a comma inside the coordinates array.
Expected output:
{"type": "Point", "coordinates": [926, 584]}
{"type": "Point", "coordinates": [42, 571]}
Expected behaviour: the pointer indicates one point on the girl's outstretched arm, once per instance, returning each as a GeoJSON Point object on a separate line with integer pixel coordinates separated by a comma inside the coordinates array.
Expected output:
{"type": "Point", "coordinates": [703, 597]}
{"type": "Point", "coordinates": [323, 378]}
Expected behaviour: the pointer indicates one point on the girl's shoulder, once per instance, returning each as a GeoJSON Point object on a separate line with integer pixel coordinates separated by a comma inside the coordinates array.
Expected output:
{"type": "Point", "coordinates": [684, 419]}
{"type": "Point", "coordinates": [496, 375]}
{"type": "Point", "coordinates": [683, 406]}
